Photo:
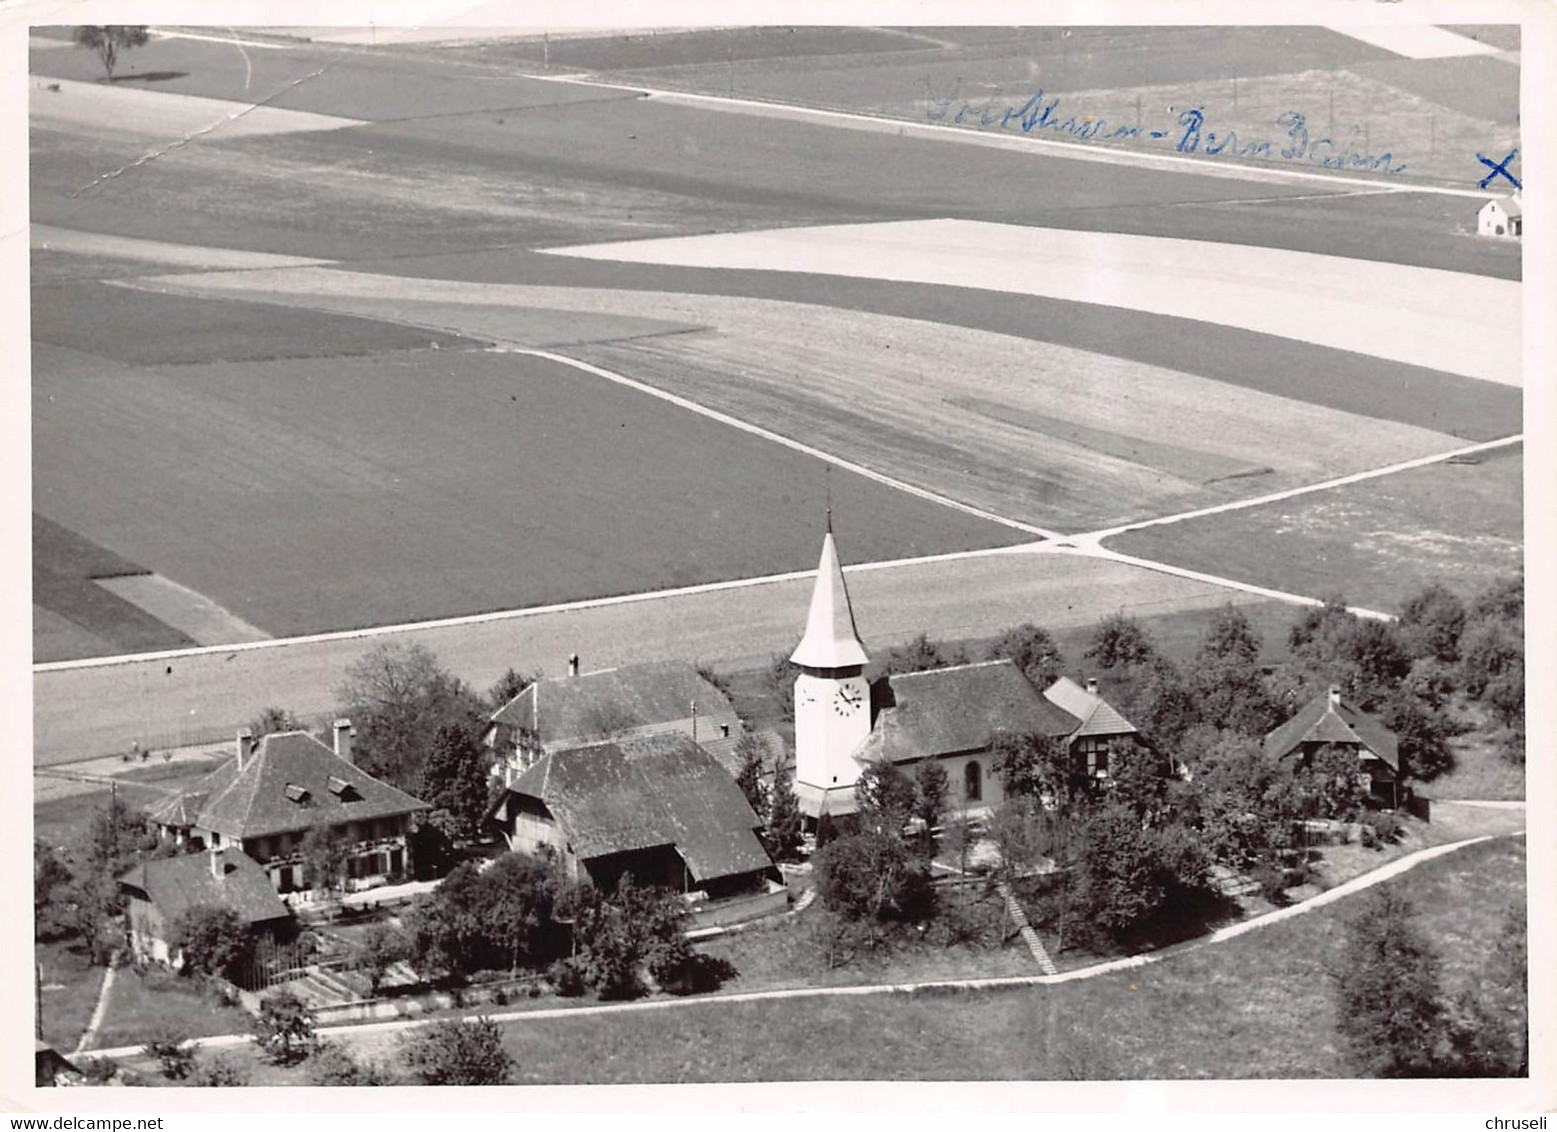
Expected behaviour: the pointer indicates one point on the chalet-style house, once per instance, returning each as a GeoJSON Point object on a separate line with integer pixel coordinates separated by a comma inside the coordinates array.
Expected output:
{"type": "Point", "coordinates": [562, 712]}
{"type": "Point", "coordinates": [271, 795]}
{"type": "Point", "coordinates": [1501, 216]}
{"type": "Point", "coordinates": [657, 806]}
{"type": "Point", "coordinates": [1329, 721]}
{"type": "Point", "coordinates": [843, 723]}
{"type": "Point", "coordinates": [157, 892]}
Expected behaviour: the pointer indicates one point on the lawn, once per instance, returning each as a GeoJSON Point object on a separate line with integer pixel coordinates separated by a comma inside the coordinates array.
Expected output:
{"type": "Point", "coordinates": [138, 1003]}
{"type": "Point", "coordinates": [69, 993]}
{"type": "Point", "coordinates": [438, 484]}
{"type": "Point", "coordinates": [1376, 541]}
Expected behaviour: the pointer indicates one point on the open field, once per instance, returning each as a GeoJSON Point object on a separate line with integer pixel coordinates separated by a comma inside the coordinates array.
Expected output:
{"type": "Point", "coordinates": [1019, 428]}
{"type": "Point", "coordinates": [1375, 542]}
{"type": "Point", "coordinates": [452, 480]}
{"type": "Point", "coordinates": [80, 713]}
{"type": "Point", "coordinates": [137, 1003]}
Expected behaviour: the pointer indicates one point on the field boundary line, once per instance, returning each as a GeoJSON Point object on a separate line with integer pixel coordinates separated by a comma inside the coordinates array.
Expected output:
{"type": "Point", "coordinates": [1221, 935]}
{"type": "Point", "coordinates": [1096, 537]}
{"type": "Point", "coordinates": [788, 442]}
{"type": "Point", "coordinates": [1051, 147]}
{"type": "Point", "coordinates": [515, 614]}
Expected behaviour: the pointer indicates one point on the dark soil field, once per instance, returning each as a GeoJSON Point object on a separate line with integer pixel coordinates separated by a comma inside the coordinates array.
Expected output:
{"type": "Point", "coordinates": [455, 482]}
{"type": "Point", "coordinates": [1376, 541]}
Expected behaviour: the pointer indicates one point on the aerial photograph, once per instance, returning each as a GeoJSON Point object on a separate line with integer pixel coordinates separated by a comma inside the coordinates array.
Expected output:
{"type": "Point", "coordinates": [758, 554]}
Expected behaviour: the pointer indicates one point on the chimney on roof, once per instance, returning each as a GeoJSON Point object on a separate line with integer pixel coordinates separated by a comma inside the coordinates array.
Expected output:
{"type": "Point", "coordinates": [1092, 685]}
{"type": "Point", "coordinates": [218, 855]}
{"type": "Point", "coordinates": [245, 746]}
{"type": "Point", "coordinates": [1335, 695]}
{"type": "Point", "coordinates": [342, 729]}
{"type": "Point", "coordinates": [573, 664]}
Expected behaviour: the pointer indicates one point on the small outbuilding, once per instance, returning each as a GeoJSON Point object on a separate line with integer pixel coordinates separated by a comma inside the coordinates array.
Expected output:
{"type": "Point", "coordinates": [1501, 216]}
{"type": "Point", "coordinates": [158, 892]}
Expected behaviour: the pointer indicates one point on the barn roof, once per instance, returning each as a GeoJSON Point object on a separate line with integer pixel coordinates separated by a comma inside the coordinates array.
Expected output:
{"type": "Point", "coordinates": [294, 782]}
{"type": "Point", "coordinates": [945, 710]}
{"type": "Point", "coordinates": [1330, 719]}
{"type": "Point", "coordinates": [1097, 715]}
{"type": "Point", "coordinates": [589, 706]}
{"type": "Point", "coordinates": [175, 884]}
{"type": "Point", "coordinates": [647, 792]}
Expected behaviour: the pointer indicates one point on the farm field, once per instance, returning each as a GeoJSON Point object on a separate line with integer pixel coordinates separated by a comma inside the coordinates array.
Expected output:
{"type": "Point", "coordinates": [1375, 542]}
{"type": "Point", "coordinates": [452, 480]}
{"type": "Point", "coordinates": [1023, 429]}
{"type": "Point", "coordinates": [87, 712]}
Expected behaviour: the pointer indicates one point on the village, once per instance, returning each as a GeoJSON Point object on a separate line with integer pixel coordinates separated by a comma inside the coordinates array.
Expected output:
{"type": "Point", "coordinates": [686, 556]}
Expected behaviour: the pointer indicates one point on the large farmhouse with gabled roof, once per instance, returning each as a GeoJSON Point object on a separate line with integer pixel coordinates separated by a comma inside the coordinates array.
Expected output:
{"type": "Point", "coordinates": [1328, 720]}
{"type": "Point", "coordinates": [657, 806]}
{"type": "Point", "coordinates": [843, 724]}
{"type": "Point", "coordinates": [271, 795]}
{"type": "Point", "coordinates": [561, 712]}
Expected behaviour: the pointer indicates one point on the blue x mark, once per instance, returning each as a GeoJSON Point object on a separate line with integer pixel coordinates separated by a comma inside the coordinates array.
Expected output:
{"type": "Point", "coordinates": [1499, 169]}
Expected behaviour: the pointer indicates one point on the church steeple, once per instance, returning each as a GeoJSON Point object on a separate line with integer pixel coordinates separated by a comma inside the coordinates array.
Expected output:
{"type": "Point", "coordinates": [831, 640]}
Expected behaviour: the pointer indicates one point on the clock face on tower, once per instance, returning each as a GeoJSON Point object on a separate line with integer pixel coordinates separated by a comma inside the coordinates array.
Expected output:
{"type": "Point", "coordinates": [848, 700]}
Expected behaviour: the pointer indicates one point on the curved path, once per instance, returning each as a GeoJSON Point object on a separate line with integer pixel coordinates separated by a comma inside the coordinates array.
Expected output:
{"type": "Point", "coordinates": [1221, 935]}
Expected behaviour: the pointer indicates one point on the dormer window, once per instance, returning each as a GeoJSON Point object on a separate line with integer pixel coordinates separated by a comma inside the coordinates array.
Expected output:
{"type": "Point", "coordinates": [295, 793]}
{"type": "Point", "coordinates": [342, 789]}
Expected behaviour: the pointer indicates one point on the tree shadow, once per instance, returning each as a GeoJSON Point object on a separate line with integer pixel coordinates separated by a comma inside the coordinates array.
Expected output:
{"type": "Point", "coordinates": [149, 77]}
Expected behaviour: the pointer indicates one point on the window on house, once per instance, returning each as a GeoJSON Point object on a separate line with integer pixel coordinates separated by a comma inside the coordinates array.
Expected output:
{"type": "Point", "coordinates": [296, 793]}
{"type": "Point", "coordinates": [973, 781]}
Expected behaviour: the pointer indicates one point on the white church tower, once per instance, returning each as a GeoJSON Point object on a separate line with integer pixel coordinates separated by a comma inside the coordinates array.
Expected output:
{"type": "Point", "coordinates": [832, 699]}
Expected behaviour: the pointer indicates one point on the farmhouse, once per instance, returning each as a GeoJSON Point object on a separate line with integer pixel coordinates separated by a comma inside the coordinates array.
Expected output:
{"type": "Point", "coordinates": [658, 806]}
{"type": "Point", "coordinates": [157, 892]}
{"type": "Point", "coordinates": [1501, 217]}
{"type": "Point", "coordinates": [1328, 720]}
{"type": "Point", "coordinates": [843, 723]}
{"type": "Point", "coordinates": [562, 712]}
{"type": "Point", "coordinates": [270, 797]}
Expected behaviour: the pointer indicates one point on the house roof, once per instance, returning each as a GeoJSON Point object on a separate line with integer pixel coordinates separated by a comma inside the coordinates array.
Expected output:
{"type": "Point", "coordinates": [177, 810]}
{"type": "Point", "coordinates": [1097, 715]}
{"type": "Point", "coordinates": [1511, 206]}
{"type": "Point", "coordinates": [590, 706]}
{"type": "Point", "coordinates": [175, 884]}
{"type": "Point", "coordinates": [1330, 719]}
{"type": "Point", "coordinates": [830, 640]}
{"type": "Point", "coordinates": [294, 782]}
{"type": "Point", "coordinates": [945, 710]}
{"type": "Point", "coordinates": [646, 792]}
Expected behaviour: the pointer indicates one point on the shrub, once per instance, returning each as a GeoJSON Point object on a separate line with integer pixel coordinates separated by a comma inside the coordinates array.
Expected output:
{"type": "Point", "coordinates": [169, 1043]}
{"type": "Point", "coordinates": [218, 1073]}
{"type": "Point", "coordinates": [459, 1052]}
{"type": "Point", "coordinates": [1383, 826]}
{"type": "Point", "coordinates": [1272, 882]}
{"type": "Point", "coordinates": [333, 1065]}
{"type": "Point", "coordinates": [97, 1070]}
{"type": "Point", "coordinates": [284, 1028]}
{"type": "Point", "coordinates": [568, 977]}
{"type": "Point", "coordinates": [214, 940]}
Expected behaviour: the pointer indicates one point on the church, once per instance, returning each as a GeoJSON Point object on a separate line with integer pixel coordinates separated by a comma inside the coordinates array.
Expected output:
{"type": "Point", "coordinates": [843, 722]}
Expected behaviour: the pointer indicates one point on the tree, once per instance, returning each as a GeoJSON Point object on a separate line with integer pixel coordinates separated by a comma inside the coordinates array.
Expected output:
{"type": "Point", "coordinates": [750, 750]}
{"type": "Point", "coordinates": [635, 929]}
{"type": "Point", "coordinates": [1492, 1025]}
{"type": "Point", "coordinates": [398, 699]}
{"type": "Point", "coordinates": [781, 836]}
{"type": "Point", "coordinates": [109, 41]}
{"type": "Point", "coordinates": [931, 787]}
{"type": "Point", "coordinates": [884, 796]}
{"type": "Point", "coordinates": [1162, 704]}
{"type": "Point", "coordinates": [781, 676]}
{"type": "Point", "coordinates": [874, 877]}
{"type": "Point", "coordinates": [1016, 829]}
{"type": "Point", "coordinates": [284, 1028]}
{"type": "Point", "coordinates": [1423, 734]}
{"type": "Point", "coordinates": [919, 655]}
{"type": "Point", "coordinates": [332, 1064]}
{"type": "Point", "coordinates": [1225, 679]}
{"type": "Point", "coordinates": [1125, 873]}
{"type": "Point", "coordinates": [51, 886]}
{"type": "Point", "coordinates": [515, 898]}
{"type": "Point", "coordinates": [1432, 620]}
{"type": "Point", "coordinates": [1365, 657]}
{"type": "Point", "coordinates": [1032, 650]}
{"type": "Point", "coordinates": [455, 780]}
{"type": "Point", "coordinates": [1327, 785]}
{"type": "Point", "coordinates": [271, 720]}
{"type": "Point", "coordinates": [509, 685]}
{"type": "Point", "coordinates": [1488, 649]}
{"type": "Point", "coordinates": [381, 948]}
{"type": "Point", "coordinates": [458, 1052]}
{"type": "Point", "coordinates": [1503, 600]}
{"type": "Point", "coordinates": [1120, 642]}
{"type": "Point", "coordinates": [1230, 636]}
{"type": "Point", "coordinates": [1030, 764]}
{"type": "Point", "coordinates": [1388, 998]}
{"type": "Point", "coordinates": [213, 940]}
{"type": "Point", "coordinates": [218, 1073]}
{"type": "Point", "coordinates": [325, 852]}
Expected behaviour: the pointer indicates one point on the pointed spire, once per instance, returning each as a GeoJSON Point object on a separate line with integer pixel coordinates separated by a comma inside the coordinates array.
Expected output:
{"type": "Point", "coordinates": [831, 640]}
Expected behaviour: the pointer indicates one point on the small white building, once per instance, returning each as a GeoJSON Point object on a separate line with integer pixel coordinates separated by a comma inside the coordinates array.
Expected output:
{"type": "Point", "coordinates": [1501, 216]}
